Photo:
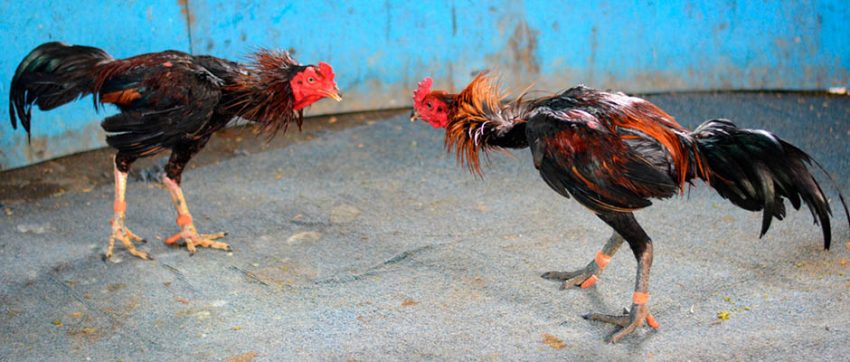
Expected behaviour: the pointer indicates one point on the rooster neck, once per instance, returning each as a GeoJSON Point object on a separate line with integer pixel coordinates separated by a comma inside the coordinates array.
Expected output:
{"type": "Point", "coordinates": [262, 99]}
{"type": "Point", "coordinates": [479, 121]}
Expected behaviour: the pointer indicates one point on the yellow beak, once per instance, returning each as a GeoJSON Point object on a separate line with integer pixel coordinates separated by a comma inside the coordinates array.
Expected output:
{"type": "Point", "coordinates": [414, 115]}
{"type": "Point", "coordinates": [333, 94]}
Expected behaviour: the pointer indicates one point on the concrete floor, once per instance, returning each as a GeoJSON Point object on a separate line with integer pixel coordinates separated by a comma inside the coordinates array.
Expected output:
{"type": "Point", "coordinates": [370, 243]}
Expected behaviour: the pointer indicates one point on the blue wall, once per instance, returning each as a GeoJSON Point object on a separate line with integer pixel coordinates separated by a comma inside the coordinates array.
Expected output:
{"type": "Point", "coordinates": [381, 49]}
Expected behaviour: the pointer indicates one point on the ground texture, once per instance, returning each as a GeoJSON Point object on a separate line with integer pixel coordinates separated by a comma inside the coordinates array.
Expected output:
{"type": "Point", "coordinates": [367, 242]}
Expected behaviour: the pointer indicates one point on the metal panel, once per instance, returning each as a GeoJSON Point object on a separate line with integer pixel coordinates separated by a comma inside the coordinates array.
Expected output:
{"type": "Point", "coordinates": [381, 49]}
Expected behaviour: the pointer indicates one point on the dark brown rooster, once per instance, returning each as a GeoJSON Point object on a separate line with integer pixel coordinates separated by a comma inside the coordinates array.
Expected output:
{"type": "Point", "coordinates": [168, 101]}
{"type": "Point", "coordinates": [613, 153]}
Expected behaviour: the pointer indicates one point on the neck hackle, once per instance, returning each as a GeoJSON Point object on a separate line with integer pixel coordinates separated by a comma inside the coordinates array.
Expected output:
{"type": "Point", "coordinates": [478, 117]}
{"type": "Point", "coordinates": [264, 95]}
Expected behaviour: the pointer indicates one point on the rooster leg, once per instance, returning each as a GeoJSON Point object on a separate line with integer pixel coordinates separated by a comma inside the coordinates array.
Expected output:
{"type": "Point", "coordinates": [587, 277]}
{"type": "Point", "coordinates": [626, 225]}
{"type": "Point", "coordinates": [188, 232]}
{"type": "Point", "coordinates": [119, 228]}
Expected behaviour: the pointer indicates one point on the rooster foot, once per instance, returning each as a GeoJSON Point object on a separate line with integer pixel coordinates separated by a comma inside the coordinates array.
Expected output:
{"type": "Point", "coordinates": [192, 240]}
{"type": "Point", "coordinates": [127, 237]}
{"type": "Point", "coordinates": [629, 321]}
{"type": "Point", "coordinates": [584, 278]}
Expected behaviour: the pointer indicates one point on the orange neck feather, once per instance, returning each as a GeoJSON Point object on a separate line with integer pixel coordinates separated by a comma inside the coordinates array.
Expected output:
{"type": "Point", "coordinates": [475, 115]}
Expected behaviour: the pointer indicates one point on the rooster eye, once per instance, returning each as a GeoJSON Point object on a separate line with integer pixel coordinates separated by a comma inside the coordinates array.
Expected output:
{"type": "Point", "coordinates": [429, 105]}
{"type": "Point", "coordinates": [310, 80]}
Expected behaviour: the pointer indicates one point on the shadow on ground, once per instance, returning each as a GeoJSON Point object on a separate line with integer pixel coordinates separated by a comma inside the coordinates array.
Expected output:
{"type": "Point", "coordinates": [369, 241]}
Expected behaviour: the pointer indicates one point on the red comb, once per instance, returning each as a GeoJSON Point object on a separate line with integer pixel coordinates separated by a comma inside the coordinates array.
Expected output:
{"type": "Point", "coordinates": [326, 70]}
{"type": "Point", "coordinates": [423, 90]}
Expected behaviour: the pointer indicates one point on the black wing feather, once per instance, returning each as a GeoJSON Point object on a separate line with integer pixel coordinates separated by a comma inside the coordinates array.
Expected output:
{"type": "Point", "coordinates": [171, 109]}
{"type": "Point", "coordinates": [582, 171]}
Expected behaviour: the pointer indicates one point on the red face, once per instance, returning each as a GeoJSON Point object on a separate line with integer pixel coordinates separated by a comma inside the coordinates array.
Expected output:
{"type": "Point", "coordinates": [312, 84]}
{"type": "Point", "coordinates": [430, 106]}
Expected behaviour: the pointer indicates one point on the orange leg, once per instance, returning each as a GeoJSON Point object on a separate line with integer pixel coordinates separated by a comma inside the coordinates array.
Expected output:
{"type": "Point", "coordinates": [119, 229]}
{"type": "Point", "coordinates": [188, 231]}
{"type": "Point", "coordinates": [641, 245]}
{"type": "Point", "coordinates": [631, 319]}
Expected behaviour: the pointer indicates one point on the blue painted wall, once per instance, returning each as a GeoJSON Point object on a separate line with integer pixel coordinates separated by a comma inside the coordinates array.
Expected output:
{"type": "Point", "coordinates": [123, 28]}
{"type": "Point", "coordinates": [380, 49]}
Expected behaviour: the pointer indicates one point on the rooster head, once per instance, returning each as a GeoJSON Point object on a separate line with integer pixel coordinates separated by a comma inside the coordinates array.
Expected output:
{"type": "Point", "coordinates": [275, 89]}
{"type": "Point", "coordinates": [313, 83]}
{"type": "Point", "coordinates": [431, 106]}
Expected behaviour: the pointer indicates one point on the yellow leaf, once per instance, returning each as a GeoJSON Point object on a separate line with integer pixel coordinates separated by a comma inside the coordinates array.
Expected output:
{"type": "Point", "coordinates": [553, 341]}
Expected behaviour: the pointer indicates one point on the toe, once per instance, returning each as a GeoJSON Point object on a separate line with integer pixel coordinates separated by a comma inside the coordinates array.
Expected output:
{"type": "Point", "coordinates": [213, 236]}
{"type": "Point", "coordinates": [569, 284]}
{"type": "Point", "coordinates": [589, 282]}
{"type": "Point", "coordinates": [174, 238]}
{"type": "Point", "coordinates": [193, 241]}
{"type": "Point", "coordinates": [190, 246]}
{"type": "Point", "coordinates": [650, 321]}
{"type": "Point", "coordinates": [218, 245]}
{"type": "Point", "coordinates": [619, 320]}
{"type": "Point", "coordinates": [581, 280]}
{"type": "Point", "coordinates": [616, 337]}
{"type": "Point", "coordinates": [141, 254]}
{"type": "Point", "coordinates": [564, 276]}
{"type": "Point", "coordinates": [554, 275]}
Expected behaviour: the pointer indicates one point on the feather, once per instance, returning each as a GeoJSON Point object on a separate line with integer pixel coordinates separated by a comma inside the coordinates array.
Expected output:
{"type": "Point", "coordinates": [741, 158]}
{"type": "Point", "coordinates": [51, 75]}
{"type": "Point", "coordinates": [480, 122]}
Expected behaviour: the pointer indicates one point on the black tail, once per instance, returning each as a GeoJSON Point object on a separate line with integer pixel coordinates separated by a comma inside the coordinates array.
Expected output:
{"type": "Point", "coordinates": [51, 75]}
{"type": "Point", "coordinates": [754, 169]}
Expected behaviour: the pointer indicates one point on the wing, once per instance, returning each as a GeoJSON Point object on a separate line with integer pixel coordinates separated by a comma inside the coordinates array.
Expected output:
{"type": "Point", "coordinates": [605, 170]}
{"type": "Point", "coordinates": [163, 103]}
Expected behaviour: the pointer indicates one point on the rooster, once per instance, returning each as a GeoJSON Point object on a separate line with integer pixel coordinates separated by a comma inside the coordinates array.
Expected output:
{"type": "Point", "coordinates": [168, 101]}
{"type": "Point", "coordinates": [613, 153]}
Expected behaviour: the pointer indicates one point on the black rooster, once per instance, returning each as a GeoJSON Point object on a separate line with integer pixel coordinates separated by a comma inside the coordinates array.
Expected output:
{"type": "Point", "coordinates": [613, 153]}
{"type": "Point", "coordinates": [168, 101]}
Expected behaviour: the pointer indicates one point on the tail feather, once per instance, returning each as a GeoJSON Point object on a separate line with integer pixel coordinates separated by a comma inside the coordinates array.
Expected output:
{"type": "Point", "coordinates": [831, 180]}
{"type": "Point", "coordinates": [755, 170]}
{"type": "Point", "coordinates": [51, 75]}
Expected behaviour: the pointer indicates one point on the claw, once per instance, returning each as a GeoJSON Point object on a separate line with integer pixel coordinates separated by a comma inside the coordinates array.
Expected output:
{"type": "Point", "coordinates": [583, 278]}
{"type": "Point", "coordinates": [127, 237]}
{"type": "Point", "coordinates": [629, 321]}
{"type": "Point", "coordinates": [191, 239]}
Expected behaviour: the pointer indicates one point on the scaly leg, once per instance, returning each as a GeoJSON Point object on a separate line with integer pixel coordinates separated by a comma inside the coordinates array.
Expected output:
{"type": "Point", "coordinates": [180, 156]}
{"type": "Point", "coordinates": [119, 228]}
{"type": "Point", "coordinates": [184, 220]}
{"type": "Point", "coordinates": [587, 277]}
{"type": "Point", "coordinates": [626, 225]}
